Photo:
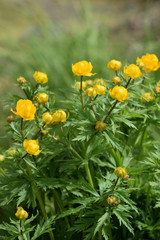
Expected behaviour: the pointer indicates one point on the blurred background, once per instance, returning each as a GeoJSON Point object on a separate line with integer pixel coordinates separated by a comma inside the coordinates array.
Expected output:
{"type": "Point", "coordinates": [50, 35]}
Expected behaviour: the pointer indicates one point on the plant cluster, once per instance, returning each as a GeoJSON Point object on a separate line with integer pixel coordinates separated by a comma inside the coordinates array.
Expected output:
{"type": "Point", "coordinates": [89, 169]}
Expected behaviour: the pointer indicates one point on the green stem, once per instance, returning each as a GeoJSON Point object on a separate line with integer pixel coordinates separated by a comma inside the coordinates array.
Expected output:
{"type": "Point", "coordinates": [93, 110]}
{"type": "Point", "coordinates": [81, 93]}
{"type": "Point", "coordinates": [109, 112]}
{"type": "Point", "coordinates": [22, 129]}
{"type": "Point", "coordinates": [21, 230]}
{"type": "Point", "coordinates": [3, 172]}
{"type": "Point", "coordinates": [100, 234]}
{"type": "Point", "coordinates": [26, 93]}
{"type": "Point", "coordinates": [46, 107]}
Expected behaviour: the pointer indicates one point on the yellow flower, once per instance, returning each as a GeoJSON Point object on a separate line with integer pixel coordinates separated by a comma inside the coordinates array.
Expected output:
{"type": "Point", "coordinates": [119, 93]}
{"type": "Point", "coordinates": [25, 109]}
{"type": "Point", "coordinates": [100, 89]}
{"type": "Point", "coordinates": [100, 81]}
{"type": "Point", "coordinates": [42, 97]}
{"type": "Point", "coordinates": [132, 71]}
{"type": "Point", "coordinates": [100, 126]}
{"type": "Point", "coordinates": [120, 172]}
{"type": "Point", "coordinates": [157, 90]}
{"type": "Point", "coordinates": [47, 118]}
{"type": "Point", "coordinates": [21, 213]}
{"type": "Point", "coordinates": [116, 80]}
{"type": "Point", "coordinates": [89, 82]}
{"type": "Point", "coordinates": [84, 84]}
{"type": "Point", "coordinates": [82, 68]}
{"type": "Point", "coordinates": [21, 80]}
{"type": "Point", "coordinates": [159, 83]}
{"type": "Point", "coordinates": [114, 65]}
{"type": "Point", "coordinates": [40, 77]}
{"type": "Point", "coordinates": [147, 97]}
{"type": "Point", "coordinates": [31, 147]}
{"type": "Point", "coordinates": [59, 116]}
{"type": "Point", "coordinates": [150, 61]}
{"type": "Point", "coordinates": [11, 152]}
{"type": "Point", "coordinates": [90, 92]}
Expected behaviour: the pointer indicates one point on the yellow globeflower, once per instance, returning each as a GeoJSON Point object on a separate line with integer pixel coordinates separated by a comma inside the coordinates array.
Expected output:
{"type": "Point", "coordinates": [120, 172]}
{"type": "Point", "coordinates": [25, 109]}
{"type": "Point", "coordinates": [42, 97]}
{"type": "Point", "coordinates": [100, 126]}
{"type": "Point", "coordinates": [157, 90]}
{"type": "Point", "coordinates": [132, 71]}
{"type": "Point", "coordinates": [21, 80]}
{"type": "Point", "coordinates": [59, 116]}
{"type": "Point", "coordinates": [147, 97]}
{"type": "Point", "coordinates": [150, 61]}
{"type": "Point", "coordinates": [31, 146]}
{"type": "Point", "coordinates": [114, 65]}
{"type": "Point", "coordinates": [100, 81]}
{"type": "Point", "coordinates": [21, 213]}
{"type": "Point", "coordinates": [40, 77]}
{"type": "Point", "coordinates": [90, 92]}
{"type": "Point", "coordinates": [82, 68]}
{"type": "Point", "coordinates": [84, 84]}
{"type": "Point", "coordinates": [116, 80]}
{"type": "Point", "coordinates": [47, 118]}
{"type": "Point", "coordinates": [100, 89]}
{"type": "Point", "coordinates": [119, 93]}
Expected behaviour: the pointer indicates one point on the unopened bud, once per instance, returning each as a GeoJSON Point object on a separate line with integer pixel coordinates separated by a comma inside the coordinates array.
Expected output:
{"type": "Point", "coordinates": [141, 65]}
{"type": "Point", "coordinates": [116, 203]}
{"type": "Point", "coordinates": [116, 80]}
{"type": "Point", "coordinates": [100, 126]}
{"type": "Point", "coordinates": [120, 172]}
{"type": "Point", "coordinates": [44, 132]}
{"type": "Point", "coordinates": [126, 177]}
{"type": "Point", "coordinates": [2, 158]}
{"type": "Point", "coordinates": [21, 80]}
{"type": "Point", "coordinates": [157, 90]}
{"type": "Point", "coordinates": [36, 104]}
{"type": "Point", "coordinates": [10, 119]}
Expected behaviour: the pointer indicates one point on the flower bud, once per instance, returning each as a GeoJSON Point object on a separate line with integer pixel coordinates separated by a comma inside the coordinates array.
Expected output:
{"type": "Point", "coordinates": [120, 172]}
{"type": "Point", "coordinates": [90, 92]}
{"type": "Point", "coordinates": [40, 77]}
{"type": "Point", "coordinates": [147, 97]}
{"type": "Point", "coordinates": [116, 80]}
{"type": "Point", "coordinates": [56, 138]}
{"type": "Point", "coordinates": [21, 80]}
{"type": "Point", "coordinates": [116, 203]}
{"type": "Point", "coordinates": [59, 116]}
{"type": "Point", "coordinates": [11, 152]}
{"type": "Point", "coordinates": [44, 132]}
{"type": "Point", "coordinates": [157, 90]}
{"type": "Point", "coordinates": [127, 177]}
{"type": "Point", "coordinates": [36, 104]}
{"type": "Point", "coordinates": [100, 89]}
{"type": "Point", "coordinates": [114, 65]}
{"type": "Point", "coordinates": [2, 158]}
{"type": "Point", "coordinates": [10, 119]}
{"type": "Point", "coordinates": [21, 213]}
{"type": "Point", "coordinates": [100, 81]}
{"type": "Point", "coordinates": [111, 200]}
{"type": "Point", "coordinates": [100, 126]}
{"type": "Point", "coordinates": [140, 64]}
{"type": "Point", "coordinates": [47, 118]}
{"type": "Point", "coordinates": [89, 82]}
{"type": "Point", "coordinates": [84, 84]}
{"type": "Point", "coordinates": [42, 97]}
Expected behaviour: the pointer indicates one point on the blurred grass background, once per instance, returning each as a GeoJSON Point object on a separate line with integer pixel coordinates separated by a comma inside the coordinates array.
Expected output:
{"type": "Point", "coordinates": [50, 35]}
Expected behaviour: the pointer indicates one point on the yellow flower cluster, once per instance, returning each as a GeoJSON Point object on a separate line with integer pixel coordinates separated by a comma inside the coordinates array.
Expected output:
{"type": "Point", "coordinates": [132, 71]}
{"type": "Point", "coordinates": [150, 62]}
{"type": "Point", "coordinates": [119, 93]}
{"type": "Point", "coordinates": [97, 89]}
{"type": "Point", "coordinates": [57, 117]}
{"type": "Point", "coordinates": [42, 97]}
{"type": "Point", "coordinates": [31, 147]}
{"type": "Point", "coordinates": [21, 213]}
{"type": "Point", "coordinates": [40, 77]}
{"type": "Point", "coordinates": [120, 172]}
{"type": "Point", "coordinates": [82, 68]}
{"type": "Point", "coordinates": [25, 109]}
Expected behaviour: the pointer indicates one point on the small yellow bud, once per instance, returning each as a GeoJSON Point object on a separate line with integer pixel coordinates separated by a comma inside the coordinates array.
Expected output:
{"type": "Point", "coordinates": [157, 90]}
{"type": "Point", "coordinates": [40, 77]}
{"type": "Point", "coordinates": [100, 81]}
{"type": "Point", "coordinates": [42, 97]}
{"type": "Point", "coordinates": [31, 147]}
{"type": "Point", "coordinates": [11, 152]}
{"type": "Point", "coordinates": [100, 89]}
{"type": "Point", "coordinates": [2, 158]}
{"type": "Point", "coordinates": [36, 104]}
{"type": "Point", "coordinates": [140, 64]}
{"type": "Point", "coordinates": [147, 97]}
{"type": "Point", "coordinates": [10, 119]}
{"type": "Point", "coordinates": [44, 132]}
{"type": "Point", "coordinates": [116, 80]}
{"type": "Point", "coordinates": [84, 84]}
{"type": "Point", "coordinates": [111, 200]}
{"type": "Point", "coordinates": [47, 118]}
{"type": "Point", "coordinates": [21, 213]}
{"type": "Point", "coordinates": [120, 172]}
{"type": "Point", "coordinates": [89, 82]}
{"type": "Point", "coordinates": [114, 65]}
{"type": "Point", "coordinates": [21, 80]}
{"type": "Point", "coordinates": [100, 126]}
{"type": "Point", "coordinates": [90, 92]}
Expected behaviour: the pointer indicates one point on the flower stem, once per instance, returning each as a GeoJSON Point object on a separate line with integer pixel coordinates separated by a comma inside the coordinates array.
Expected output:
{"type": "Point", "coordinates": [21, 230]}
{"type": "Point", "coordinates": [93, 110]}
{"type": "Point", "coordinates": [128, 83]}
{"type": "Point", "coordinates": [81, 93]}
{"type": "Point", "coordinates": [22, 129]}
{"type": "Point", "coordinates": [109, 112]}
{"type": "Point", "coordinates": [46, 107]}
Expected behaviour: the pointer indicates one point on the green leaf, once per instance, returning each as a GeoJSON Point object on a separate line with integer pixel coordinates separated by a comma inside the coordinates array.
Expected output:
{"type": "Point", "coordinates": [101, 221]}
